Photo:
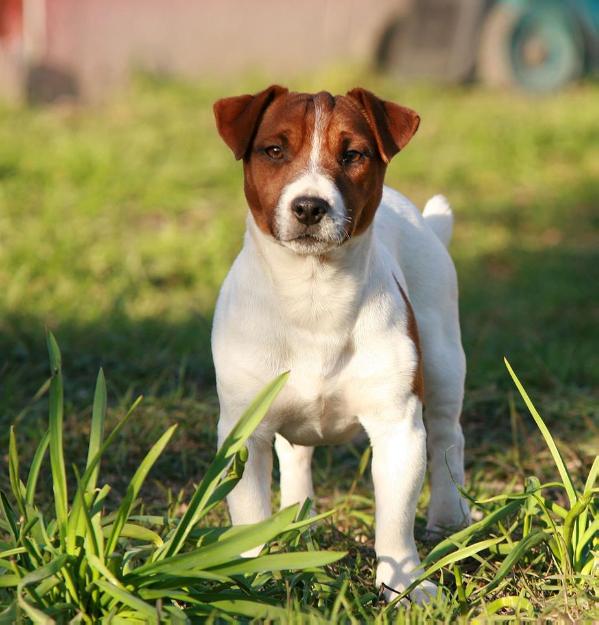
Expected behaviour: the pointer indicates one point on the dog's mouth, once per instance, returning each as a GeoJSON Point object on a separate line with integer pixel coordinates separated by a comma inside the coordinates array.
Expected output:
{"type": "Point", "coordinates": [308, 244]}
{"type": "Point", "coordinates": [307, 237]}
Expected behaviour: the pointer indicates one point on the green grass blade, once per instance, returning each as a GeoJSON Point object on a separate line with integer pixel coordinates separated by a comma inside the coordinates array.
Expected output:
{"type": "Point", "coordinates": [280, 562]}
{"type": "Point", "coordinates": [252, 609]}
{"type": "Point", "coordinates": [557, 458]}
{"type": "Point", "coordinates": [13, 473]}
{"type": "Point", "coordinates": [34, 470]}
{"type": "Point", "coordinates": [134, 486]}
{"type": "Point", "coordinates": [221, 552]}
{"type": "Point", "coordinates": [9, 514]}
{"type": "Point", "coordinates": [82, 487]}
{"type": "Point", "coordinates": [592, 477]}
{"type": "Point", "coordinates": [452, 542]}
{"type": "Point", "coordinates": [123, 596]}
{"type": "Point", "coordinates": [12, 552]}
{"type": "Point", "coordinates": [516, 603]}
{"type": "Point", "coordinates": [97, 427]}
{"type": "Point", "coordinates": [9, 616]}
{"type": "Point", "coordinates": [59, 477]}
{"type": "Point", "coordinates": [231, 445]}
{"type": "Point", "coordinates": [91, 535]}
{"type": "Point", "coordinates": [37, 616]}
{"type": "Point", "coordinates": [456, 556]}
{"type": "Point", "coordinates": [45, 571]}
{"type": "Point", "coordinates": [592, 531]}
{"type": "Point", "coordinates": [137, 532]}
{"type": "Point", "coordinates": [228, 482]}
{"type": "Point", "coordinates": [519, 551]}
{"type": "Point", "coordinates": [48, 570]}
{"type": "Point", "coordinates": [101, 567]}
{"type": "Point", "coordinates": [584, 517]}
{"type": "Point", "coordinates": [77, 521]}
{"type": "Point", "coordinates": [570, 539]}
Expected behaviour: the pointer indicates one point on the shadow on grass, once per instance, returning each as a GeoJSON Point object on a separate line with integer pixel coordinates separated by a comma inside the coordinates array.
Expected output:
{"type": "Point", "coordinates": [537, 307]}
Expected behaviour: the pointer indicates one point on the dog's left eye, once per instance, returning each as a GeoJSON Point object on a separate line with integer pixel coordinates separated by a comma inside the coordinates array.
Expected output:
{"type": "Point", "coordinates": [351, 156]}
{"type": "Point", "coordinates": [274, 151]}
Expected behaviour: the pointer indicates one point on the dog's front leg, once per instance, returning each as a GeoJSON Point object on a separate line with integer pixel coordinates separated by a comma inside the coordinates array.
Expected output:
{"type": "Point", "coordinates": [249, 501]}
{"type": "Point", "coordinates": [398, 442]}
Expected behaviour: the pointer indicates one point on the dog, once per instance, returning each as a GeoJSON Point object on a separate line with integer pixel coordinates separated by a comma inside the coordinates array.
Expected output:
{"type": "Point", "coordinates": [342, 281]}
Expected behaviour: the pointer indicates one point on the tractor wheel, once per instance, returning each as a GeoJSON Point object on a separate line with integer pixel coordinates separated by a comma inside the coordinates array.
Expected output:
{"type": "Point", "coordinates": [536, 46]}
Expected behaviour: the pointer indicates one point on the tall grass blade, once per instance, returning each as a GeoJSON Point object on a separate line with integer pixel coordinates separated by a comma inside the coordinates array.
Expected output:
{"type": "Point", "coordinates": [218, 553]}
{"type": "Point", "coordinates": [97, 427]}
{"type": "Point", "coordinates": [9, 514]}
{"type": "Point", "coordinates": [592, 477]}
{"type": "Point", "coordinates": [557, 458]}
{"type": "Point", "coordinates": [82, 487]}
{"type": "Point", "coordinates": [59, 477]}
{"type": "Point", "coordinates": [519, 551]}
{"type": "Point", "coordinates": [134, 486]}
{"type": "Point", "coordinates": [517, 603]}
{"type": "Point", "coordinates": [34, 470]}
{"type": "Point", "coordinates": [16, 485]}
{"type": "Point", "coordinates": [568, 531]}
{"type": "Point", "coordinates": [9, 616]}
{"type": "Point", "coordinates": [590, 533]}
{"type": "Point", "coordinates": [122, 596]}
{"type": "Point", "coordinates": [456, 556]}
{"type": "Point", "coordinates": [231, 445]}
{"type": "Point", "coordinates": [584, 517]}
{"type": "Point", "coordinates": [280, 562]}
{"type": "Point", "coordinates": [451, 543]}
{"type": "Point", "coordinates": [251, 609]}
{"type": "Point", "coordinates": [34, 577]}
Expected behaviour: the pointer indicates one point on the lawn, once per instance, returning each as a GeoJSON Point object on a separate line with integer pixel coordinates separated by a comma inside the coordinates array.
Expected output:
{"type": "Point", "coordinates": [118, 223]}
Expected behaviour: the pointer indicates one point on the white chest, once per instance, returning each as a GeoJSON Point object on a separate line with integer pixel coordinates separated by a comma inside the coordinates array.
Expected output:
{"type": "Point", "coordinates": [338, 329]}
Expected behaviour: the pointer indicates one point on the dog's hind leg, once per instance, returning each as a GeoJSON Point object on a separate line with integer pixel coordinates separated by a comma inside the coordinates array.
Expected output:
{"type": "Point", "coordinates": [444, 373]}
{"type": "Point", "coordinates": [296, 471]}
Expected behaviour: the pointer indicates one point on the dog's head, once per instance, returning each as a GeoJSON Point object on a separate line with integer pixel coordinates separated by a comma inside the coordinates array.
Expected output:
{"type": "Point", "coordinates": [314, 164]}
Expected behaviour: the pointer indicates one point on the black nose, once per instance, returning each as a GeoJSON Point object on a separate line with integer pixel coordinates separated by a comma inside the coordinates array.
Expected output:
{"type": "Point", "coordinates": [309, 210]}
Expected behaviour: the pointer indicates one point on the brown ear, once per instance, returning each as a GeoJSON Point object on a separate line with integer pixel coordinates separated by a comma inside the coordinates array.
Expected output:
{"type": "Point", "coordinates": [393, 125]}
{"type": "Point", "coordinates": [237, 118]}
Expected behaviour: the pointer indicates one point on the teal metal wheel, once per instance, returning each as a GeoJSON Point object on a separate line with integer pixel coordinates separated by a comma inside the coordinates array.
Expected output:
{"type": "Point", "coordinates": [537, 45]}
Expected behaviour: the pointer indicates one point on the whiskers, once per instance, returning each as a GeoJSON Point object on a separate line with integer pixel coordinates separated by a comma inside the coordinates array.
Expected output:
{"type": "Point", "coordinates": [343, 233]}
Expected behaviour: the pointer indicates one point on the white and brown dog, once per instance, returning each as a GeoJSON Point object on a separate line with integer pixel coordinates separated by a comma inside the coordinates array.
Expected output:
{"type": "Point", "coordinates": [343, 282]}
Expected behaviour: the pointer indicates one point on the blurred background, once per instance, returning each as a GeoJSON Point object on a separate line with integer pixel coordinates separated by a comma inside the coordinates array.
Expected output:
{"type": "Point", "coordinates": [121, 210]}
{"type": "Point", "coordinates": [85, 49]}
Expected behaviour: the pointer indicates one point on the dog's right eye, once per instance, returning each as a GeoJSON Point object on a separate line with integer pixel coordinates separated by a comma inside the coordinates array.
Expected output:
{"type": "Point", "coordinates": [275, 152]}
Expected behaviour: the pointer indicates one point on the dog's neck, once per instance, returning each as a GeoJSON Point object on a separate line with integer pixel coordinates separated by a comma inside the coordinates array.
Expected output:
{"type": "Point", "coordinates": [312, 287]}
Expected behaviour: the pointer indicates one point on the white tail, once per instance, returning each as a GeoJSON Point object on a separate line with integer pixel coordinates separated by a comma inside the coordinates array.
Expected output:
{"type": "Point", "coordinates": [439, 217]}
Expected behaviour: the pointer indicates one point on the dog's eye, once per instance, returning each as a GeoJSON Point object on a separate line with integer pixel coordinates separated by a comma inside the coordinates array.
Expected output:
{"type": "Point", "coordinates": [351, 156]}
{"type": "Point", "coordinates": [274, 151]}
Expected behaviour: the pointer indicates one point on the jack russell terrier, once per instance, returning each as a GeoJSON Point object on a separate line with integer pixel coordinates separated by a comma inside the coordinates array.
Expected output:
{"type": "Point", "coordinates": [342, 281]}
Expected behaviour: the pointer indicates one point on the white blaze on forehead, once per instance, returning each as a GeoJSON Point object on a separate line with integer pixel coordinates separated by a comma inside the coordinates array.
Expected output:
{"type": "Point", "coordinates": [313, 181]}
{"type": "Point", "coordinates": [317, 136]}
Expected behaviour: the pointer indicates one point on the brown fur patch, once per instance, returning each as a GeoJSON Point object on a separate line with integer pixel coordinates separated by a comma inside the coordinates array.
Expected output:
{"type": "Point", "coordinates": [358, 121]}
{"type": "Point", "coordinates": [418, 380]}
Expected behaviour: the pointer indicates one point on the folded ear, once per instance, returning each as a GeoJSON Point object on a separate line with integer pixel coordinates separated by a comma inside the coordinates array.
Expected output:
{"type": "Point", "coordinates": [393, 125]}
{"type": "Point", "coordinates": [237, 118]}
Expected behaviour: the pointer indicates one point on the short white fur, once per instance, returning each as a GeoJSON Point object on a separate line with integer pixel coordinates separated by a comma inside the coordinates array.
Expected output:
{"type": "Point", "coordinates": [341, 327]}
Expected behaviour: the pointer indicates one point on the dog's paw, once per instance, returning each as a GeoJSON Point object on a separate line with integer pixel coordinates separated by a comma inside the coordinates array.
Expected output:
{"type": "Point", "coordinates": [445, 520]}
{"type": "Point", "coordinates": [423, 593]}
{"type": "Point", "coordinates": [392, 579]}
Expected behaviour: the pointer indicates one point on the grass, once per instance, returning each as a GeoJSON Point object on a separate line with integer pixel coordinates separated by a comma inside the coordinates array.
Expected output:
{"type": "Point", "coordinates": [118, 223]}
{"type": "Point", "coordinates": [85, 563]}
